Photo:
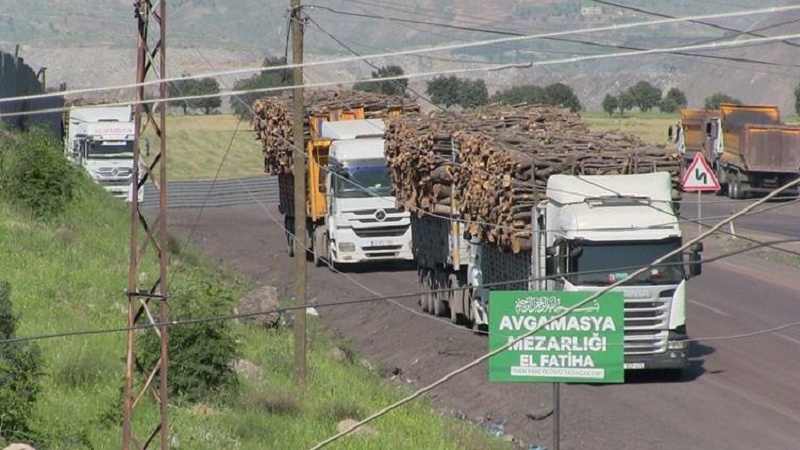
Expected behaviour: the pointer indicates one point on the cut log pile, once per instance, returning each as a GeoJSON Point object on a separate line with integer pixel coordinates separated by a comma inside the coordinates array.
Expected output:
{"type": "Point", "coordinates": [273, 117]}
{"type": "Point", "coordinates": [490, 167]}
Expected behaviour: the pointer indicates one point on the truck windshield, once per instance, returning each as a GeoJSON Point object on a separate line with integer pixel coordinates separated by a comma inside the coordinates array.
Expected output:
{"type": "Point", "coordinates": [110, 149]}
{"type": "Point", "coordinates": [603, 263]}
{"type": "Point", "coordinates": [363, 181]}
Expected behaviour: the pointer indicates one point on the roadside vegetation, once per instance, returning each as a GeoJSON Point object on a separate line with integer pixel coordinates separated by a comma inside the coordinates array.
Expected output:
{"type": "Point", "coordinates": [65, 270]}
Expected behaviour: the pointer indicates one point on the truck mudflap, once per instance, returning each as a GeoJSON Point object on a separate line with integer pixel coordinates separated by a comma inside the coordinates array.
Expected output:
{"type": "Point", "coordinates": [676, 356]}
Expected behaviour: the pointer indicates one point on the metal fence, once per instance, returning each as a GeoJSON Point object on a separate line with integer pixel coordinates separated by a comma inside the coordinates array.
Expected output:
{"type": "Point", "coordinates": [196, 194]}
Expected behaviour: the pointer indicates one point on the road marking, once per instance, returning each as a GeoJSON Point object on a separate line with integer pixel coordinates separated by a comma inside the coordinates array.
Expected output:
{"type": "Point", "coordinates": [710, 308]}
{"type": "Point", "coordinates": [788, 338]}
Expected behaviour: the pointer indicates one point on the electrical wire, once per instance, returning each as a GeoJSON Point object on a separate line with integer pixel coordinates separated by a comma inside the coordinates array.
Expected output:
{"type": "Point", "coordinates": [617, 27]}
{"type": "Point", "coordinates": [513, 341]}
{"type": "Point", "coordinates": [499, 67]}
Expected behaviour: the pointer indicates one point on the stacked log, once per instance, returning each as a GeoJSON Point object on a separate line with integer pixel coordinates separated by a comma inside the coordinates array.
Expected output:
{"type": "Point", "coordinates": [491, 167]}
{"type": "Point", "coordinates": [273, 119]}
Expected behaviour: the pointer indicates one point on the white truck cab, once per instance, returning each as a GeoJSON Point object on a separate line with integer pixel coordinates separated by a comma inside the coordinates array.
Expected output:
{"type": "Point", "coordinates": [363, 222]}
{"type": "Point", "coordinates": [100, 139]}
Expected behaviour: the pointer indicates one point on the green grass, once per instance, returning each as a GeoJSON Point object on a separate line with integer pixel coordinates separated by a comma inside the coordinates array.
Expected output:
{"type": "Point", "coordinates": [196, 146]}
{"type": "Point", "coordinates": [652, 127]}
{"type": "Point", "coordinates": [71, 276]}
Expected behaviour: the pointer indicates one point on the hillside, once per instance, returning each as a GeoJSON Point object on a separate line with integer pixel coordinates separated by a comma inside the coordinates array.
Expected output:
{"type": "Point", "coordinates": [89, 46]}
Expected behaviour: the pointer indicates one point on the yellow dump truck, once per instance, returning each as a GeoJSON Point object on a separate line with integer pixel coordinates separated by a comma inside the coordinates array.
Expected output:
{"type": "Point", "coordinates": [687, 134]}
{"type": "Point", "coordinates": [750, 150]}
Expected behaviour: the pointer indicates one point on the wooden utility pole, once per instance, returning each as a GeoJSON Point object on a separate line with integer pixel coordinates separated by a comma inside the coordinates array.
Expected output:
{"type": "Point", "coordinates": [299, 197]}
{"type": "Point", "coordinates": [151, 56]}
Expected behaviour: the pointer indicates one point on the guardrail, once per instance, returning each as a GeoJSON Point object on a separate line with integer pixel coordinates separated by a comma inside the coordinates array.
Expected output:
{"type": "Point", "coordinates": [194, 194]}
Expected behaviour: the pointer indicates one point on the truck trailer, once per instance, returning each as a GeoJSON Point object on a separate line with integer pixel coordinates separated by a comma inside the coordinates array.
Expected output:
{"type": "Point", "coordinates": [750, 150]}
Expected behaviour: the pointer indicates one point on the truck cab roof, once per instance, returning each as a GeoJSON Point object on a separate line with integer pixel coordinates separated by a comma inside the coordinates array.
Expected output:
{"type": "Point", "coordinates": [353, 129]}
{"type": "Point", "coordinates": [356, 149]}
{"type": "Point", "coordinates": [591, 207]}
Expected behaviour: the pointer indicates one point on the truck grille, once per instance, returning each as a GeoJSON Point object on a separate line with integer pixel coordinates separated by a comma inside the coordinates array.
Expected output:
{"type": "Point", "coordinates": [380, 232]}
{"type": "Point", "coordinates": [646, 325]}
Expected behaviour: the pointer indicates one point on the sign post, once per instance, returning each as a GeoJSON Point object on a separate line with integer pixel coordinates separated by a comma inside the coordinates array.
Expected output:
{"type": "Point", "coordinates": [585, 346]}
{"type": "Point", "coordinates": [700, 178]}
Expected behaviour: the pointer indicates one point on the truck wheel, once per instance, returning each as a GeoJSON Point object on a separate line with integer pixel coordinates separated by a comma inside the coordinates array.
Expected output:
{"type": "Point", "coordinates": [456, 296]}
{"type": "Point", "coordinates": [735, 190]}
{"type": "Point", "coordinates": [318, 247]}
{"type": "Point", "coordinates": [723, 185]}
{"type": "Point", "coordinates": [438, 298]}
{"type": "Point", "coordinates": [424, 290]}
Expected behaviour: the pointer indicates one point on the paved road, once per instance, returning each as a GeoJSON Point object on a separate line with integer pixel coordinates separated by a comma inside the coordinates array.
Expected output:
{"type": "Point", "coordinates": [739, 394]}
{"type": "Point", "coordinates": [779, 217]}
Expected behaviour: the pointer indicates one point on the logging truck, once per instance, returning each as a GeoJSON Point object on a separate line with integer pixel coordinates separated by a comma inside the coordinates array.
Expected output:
{"type": "Point", "coordinates": [687, 134]}
{"type": "Point", "coordinates": [750, 150]}
{"type": "Point", "coordinates": [590, 231]}
{"type": "Point", "coordinates": [504, 197]}
{"type": "Point", "coordinates": [100, 139]}
{"type": "Point", "coordinates": [351, 214]}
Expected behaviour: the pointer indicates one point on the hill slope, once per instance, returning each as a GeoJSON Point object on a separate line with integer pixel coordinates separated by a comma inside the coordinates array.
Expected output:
{"type": "Point", "coordinates": [85, 45]}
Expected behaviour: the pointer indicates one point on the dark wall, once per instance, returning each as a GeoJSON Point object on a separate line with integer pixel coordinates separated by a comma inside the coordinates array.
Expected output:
{"type": "Point", "coordinates": [18, 79]}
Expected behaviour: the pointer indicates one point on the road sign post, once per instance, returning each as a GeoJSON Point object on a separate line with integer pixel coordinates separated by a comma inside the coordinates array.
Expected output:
{"type": "Point", "coordinates": [699, 178]}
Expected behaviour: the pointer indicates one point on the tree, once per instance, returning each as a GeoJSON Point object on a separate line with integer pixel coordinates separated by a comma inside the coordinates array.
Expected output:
{"type": "Point", "coordinates": [610, 103]}
{"type": "Point", "coordinates": [473, 93]}
{"type": "Point", "coordinates": [449, 91]}
{"type": "Point", "coordinates": [20, 369]}
{"type": "Point", "coordinates": [713, 101]}
{"type": "Point", "coordinates": [625, 101]}
{"type": "Point", "coordinates": [388, 87]}
{"type": "Point", "coordinates": [645, 96]}
{"type": "Point", "coordinates": [530, 94]}
{"type": "Point", "coordinates": [205, 86]}
{"type": "Point", "coordinates": [797, 100]}
{"type": "Point", "coordinates": [561, 94]}
{"type": "Point", "coordinates": [243, 103]}
{"type": "Point", "coordinates": [677, 96]}
{"type": "Point", "coordinates": [180, 88]}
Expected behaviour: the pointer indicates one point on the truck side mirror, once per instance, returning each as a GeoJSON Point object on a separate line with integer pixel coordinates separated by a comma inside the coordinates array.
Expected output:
{"type": "Point", "coordinates": [550, 260]}
{"type": "Point", "coordinates": [669, 133]}
{"type": "Point", "coordinates": [708, 129]}
{"type": "Point", "coordinates": [695, 264]}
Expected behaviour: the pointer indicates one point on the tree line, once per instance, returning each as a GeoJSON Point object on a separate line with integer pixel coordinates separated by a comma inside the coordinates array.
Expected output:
{"type": "Point", "coordinates": [445, 91]}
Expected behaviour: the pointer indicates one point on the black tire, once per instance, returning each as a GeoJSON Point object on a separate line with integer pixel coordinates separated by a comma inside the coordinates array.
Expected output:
{"type": "Point", "coordinates": [456, 296]}
{"type": "Point", "coordinates": [723, 186]}
{"type": "Point", "coordinates": [736, 191]}
{"type": "Point", "coordinates": [439, 305]}
{"type": "Point", "coordinates": [424, 300]}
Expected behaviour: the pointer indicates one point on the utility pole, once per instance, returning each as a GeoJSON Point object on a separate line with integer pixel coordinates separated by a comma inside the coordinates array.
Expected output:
{"type": "Point", "coordinates": [143, 302]}
{"type": "Point", "coordinates": [299, 197]}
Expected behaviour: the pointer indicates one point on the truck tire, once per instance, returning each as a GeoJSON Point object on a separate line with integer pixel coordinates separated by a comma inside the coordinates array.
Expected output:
{"type": "Point", "coordinates": [735, 190]}
{"type": "Point", "coordinates": [424, 285]}
{"type": "Point", "coordinates": [318, 247]}
{"type": "Point", "coordinates": [723, 184]}
{"type": "Point", "coordinates": [456, 300]}
{"type": "Point", "coordinates": [439, 304]}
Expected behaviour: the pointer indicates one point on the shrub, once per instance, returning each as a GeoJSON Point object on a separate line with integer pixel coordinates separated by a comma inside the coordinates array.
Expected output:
{"type": "Point", "coordinates": [20, 369]}
{"type": "Point", "coordinates": [201, 353]}
{"type": "Point", "coordinates": [37, 175]}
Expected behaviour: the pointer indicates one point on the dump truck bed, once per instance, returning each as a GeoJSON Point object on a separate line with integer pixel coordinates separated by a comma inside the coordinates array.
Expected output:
{"type": "Point", "coordinates": [771, 148]}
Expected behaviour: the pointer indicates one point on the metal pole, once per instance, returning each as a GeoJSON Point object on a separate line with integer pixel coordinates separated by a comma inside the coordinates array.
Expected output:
{"type": "Point", "coordinates": [155, 238]}
{"type": "Point", "coordinates": [299, 196]}
{"type": "Point", "coordinates": [699, 213]}
{"type": "Point", "coordinates": [556, 416]}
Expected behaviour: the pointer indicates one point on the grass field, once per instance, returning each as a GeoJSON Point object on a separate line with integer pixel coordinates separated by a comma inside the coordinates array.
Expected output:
{"type": "Point", "coordinates": [71, 276]}
{"type": "Point", "coordinates": [196, 146]}
{"type": "Point", "coordinates": [650, 127]}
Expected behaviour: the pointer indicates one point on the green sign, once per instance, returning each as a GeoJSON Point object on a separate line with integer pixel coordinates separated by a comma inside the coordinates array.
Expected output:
{"type": "Point", "coordinates": [585, 346]}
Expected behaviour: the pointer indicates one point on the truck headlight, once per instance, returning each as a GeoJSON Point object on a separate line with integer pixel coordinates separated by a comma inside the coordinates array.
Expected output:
{"type": "Point", "coordinates": [347, 247]}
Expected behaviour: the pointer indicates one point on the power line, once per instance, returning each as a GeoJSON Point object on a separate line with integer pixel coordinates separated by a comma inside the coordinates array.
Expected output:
{"type": "Point", "coordinates": [441, 72]}
{"type": "Point", "coordinates": [513, 341]}
{"type": "Point", "coordinates": [617, 27]}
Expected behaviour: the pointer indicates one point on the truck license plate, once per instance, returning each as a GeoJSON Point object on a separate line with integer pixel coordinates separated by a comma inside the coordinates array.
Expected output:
{"type": "Point", "coordinates": [633, 366]}
{"type": "Point", "coordinates": [380, 243]}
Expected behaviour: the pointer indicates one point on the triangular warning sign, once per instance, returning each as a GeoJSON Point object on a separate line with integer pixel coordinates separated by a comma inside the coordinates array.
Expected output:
{"type": "Point", "coordinates": [699, 176]}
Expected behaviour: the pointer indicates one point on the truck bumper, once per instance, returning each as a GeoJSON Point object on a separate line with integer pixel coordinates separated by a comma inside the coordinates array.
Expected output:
{"type": "Point", "coordinates": [350, 249]}
{"type": "Point", "coordinates": [675, 357]}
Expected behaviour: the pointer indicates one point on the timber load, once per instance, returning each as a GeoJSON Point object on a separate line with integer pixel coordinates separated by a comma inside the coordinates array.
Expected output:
{"type": "Point", "coordinates": [490, 167]}
{"type": "Point", "coordinates": [273, 117]}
